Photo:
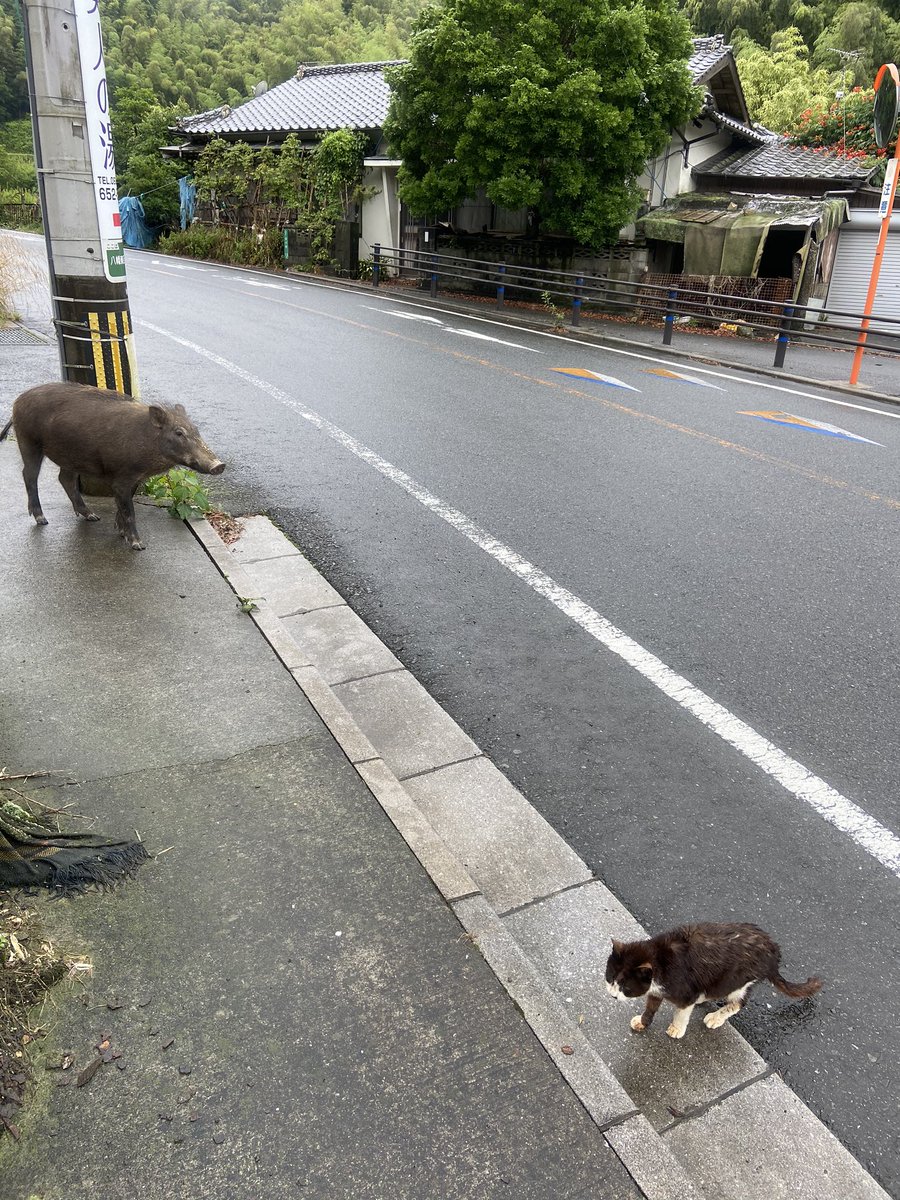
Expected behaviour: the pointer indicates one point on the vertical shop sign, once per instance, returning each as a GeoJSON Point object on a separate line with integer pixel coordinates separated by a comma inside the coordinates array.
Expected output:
{"type": "Point", "coordinates": [99, 133]}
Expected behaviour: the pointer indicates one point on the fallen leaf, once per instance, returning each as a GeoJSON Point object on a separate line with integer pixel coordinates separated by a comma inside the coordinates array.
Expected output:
{"type": "Point", "coordinates": [567, 1050]}
{"type": "Point", "coordinates": [13, 1129]}
{"type": "Point", "coordinates": [88, 1073]}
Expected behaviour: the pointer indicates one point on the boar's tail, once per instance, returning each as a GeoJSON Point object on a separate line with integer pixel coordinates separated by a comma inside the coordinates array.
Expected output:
{"type": "Point", "coordinates": [6, 428]}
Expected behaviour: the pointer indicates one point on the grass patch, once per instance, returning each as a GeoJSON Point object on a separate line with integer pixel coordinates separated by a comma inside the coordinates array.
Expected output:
{"type": "Point", "coordinates": [20, 276]}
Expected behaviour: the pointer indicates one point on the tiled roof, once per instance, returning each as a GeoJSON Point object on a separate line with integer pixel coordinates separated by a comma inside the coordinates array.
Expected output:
{"type": "Point", "coordinates": [347, 96]}
{"type": "Point", "coordinates": [709, 54]}
{"type": "Point", "coordinates": [356, 95]}
{"type": "Point", "coordinates": [777, 160]}
{"type": "Point", "coordinates": [751, 133]}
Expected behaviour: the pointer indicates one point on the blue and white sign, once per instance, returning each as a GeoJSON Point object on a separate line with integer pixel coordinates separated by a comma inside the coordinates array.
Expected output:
{"type": "Point", "coordinates": [889, 174]}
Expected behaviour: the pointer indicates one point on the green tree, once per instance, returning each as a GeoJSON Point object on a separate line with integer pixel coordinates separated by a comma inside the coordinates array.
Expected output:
{"type": "Point", "coordinates": [780, 83]}
{"type": "Point", "coordinates": [13, 90]}
{"type": "Point", "coordinates": [863, 27]}
{"type": "Point", "coordinates": [555, 107]}
{"type": "Point", "coordinates": [758, 19]}
{"type": "Point", "coordinates": [140, 127]}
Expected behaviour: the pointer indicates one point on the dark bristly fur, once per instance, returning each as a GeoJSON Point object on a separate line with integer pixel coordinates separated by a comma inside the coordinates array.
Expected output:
{"type": "Point", "coordinates": [694, 963]}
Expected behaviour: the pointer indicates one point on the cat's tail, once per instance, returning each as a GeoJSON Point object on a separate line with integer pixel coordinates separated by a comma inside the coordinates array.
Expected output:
{"type": "Point", "coordinates": [797, 991]}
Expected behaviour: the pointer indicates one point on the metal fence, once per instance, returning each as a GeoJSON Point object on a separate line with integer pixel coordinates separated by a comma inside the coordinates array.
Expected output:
{"type": "Point", "coordinates": [568, 294]}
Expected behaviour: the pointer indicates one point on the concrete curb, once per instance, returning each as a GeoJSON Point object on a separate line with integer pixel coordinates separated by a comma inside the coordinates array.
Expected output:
{"type": "Point", "coordinates": [537, 915]}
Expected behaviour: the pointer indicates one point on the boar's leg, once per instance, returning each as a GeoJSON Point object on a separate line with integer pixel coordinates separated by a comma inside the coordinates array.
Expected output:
{"type": "Point", "coordinates": [32, 457]}
{"type": "Point", "coordinates": [70, 481]}
{"type": "Point", "coordinates": [126, 522]}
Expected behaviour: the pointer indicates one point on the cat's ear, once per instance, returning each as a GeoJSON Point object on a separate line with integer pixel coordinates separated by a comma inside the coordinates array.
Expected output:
{"type": "Point", "coordinates": [617, 946]}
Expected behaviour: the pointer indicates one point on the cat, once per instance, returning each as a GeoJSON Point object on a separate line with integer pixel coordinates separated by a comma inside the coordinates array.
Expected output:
{"type": "Point", "coordinates": [694, 963]}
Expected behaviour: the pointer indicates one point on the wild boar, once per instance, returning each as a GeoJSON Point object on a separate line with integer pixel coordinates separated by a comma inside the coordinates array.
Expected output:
{"type": "Point", "coordinates": [92, 432]}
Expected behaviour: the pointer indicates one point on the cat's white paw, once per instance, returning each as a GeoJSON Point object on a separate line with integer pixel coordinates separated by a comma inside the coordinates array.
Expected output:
{"type": "Point", "coordinates": [715, 1019]}
{"type": "Point", "coordinates": [676, 1031]}
{"type": "Point", "coordinates": [637, 1025]}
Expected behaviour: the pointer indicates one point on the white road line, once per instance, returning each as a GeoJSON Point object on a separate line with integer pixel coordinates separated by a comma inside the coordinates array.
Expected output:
{"type": "Point", "coordinates": [484, 337]}
{"type": "Point", "coordinates": [469, 333]}
{"type": "Point", "coordinates": [729, 375]}
{"type": "Point", "coordinates": [838, 810]}
{"type": "Point", "coordinates": [403, 316]}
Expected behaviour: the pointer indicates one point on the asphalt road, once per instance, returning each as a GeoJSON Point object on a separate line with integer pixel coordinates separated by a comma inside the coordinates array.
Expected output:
{"type": "Point", "coordinates": [757, 560]}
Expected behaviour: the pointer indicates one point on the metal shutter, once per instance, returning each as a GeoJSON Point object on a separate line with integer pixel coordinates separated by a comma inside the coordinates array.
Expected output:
{"type": "Point", "coordinates": [853, 268]}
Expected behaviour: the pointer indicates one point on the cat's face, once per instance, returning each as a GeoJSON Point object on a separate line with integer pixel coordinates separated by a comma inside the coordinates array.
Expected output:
{"type": "Point", "coordinates": [628, 974]}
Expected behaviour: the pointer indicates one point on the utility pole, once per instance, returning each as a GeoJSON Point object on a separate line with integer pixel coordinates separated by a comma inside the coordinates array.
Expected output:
{"type": "Point", "coordinates": [69, 100]}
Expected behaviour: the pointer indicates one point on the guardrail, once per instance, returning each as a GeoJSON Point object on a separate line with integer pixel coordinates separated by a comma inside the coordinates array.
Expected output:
{"type": "Point", "coordinates": [787, 319]}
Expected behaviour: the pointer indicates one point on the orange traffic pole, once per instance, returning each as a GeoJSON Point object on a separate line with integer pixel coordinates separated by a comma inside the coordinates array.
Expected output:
{"type": "Point", "coordinates": [890, 186]}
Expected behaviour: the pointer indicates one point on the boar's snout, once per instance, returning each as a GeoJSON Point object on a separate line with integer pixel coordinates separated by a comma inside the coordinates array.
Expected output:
{"type": "Point", "coordinates": [206, 464]}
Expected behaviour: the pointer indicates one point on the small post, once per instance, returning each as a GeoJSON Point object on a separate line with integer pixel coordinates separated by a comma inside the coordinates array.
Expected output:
{"type": "Point", "coordinates": [784, 334]}
{"type": "Point", "coordinates": [576, 300]}
{"type": "Point", "coordinates": [434, 278]}
{"type": "Point", "coordinates": [669, 321]}
{"type": "Point", "coordinates": [376, 264]}
{"type": "Point", "coordinates": [501, 286]}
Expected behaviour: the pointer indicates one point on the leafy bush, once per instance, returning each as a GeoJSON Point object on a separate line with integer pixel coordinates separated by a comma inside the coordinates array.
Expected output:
{"type": "Point", "coordinates": [181, 492]}
{"type": "Point", "coordinates": [223, 245]}
{"type": "Point", "coordinates": [825, 127]}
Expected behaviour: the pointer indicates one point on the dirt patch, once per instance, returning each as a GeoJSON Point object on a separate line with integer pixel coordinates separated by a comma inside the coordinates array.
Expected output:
{"type": "Point", "coordinates": [227, 527]}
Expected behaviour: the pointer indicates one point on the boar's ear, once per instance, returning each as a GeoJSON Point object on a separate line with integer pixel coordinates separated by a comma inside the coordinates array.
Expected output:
{"type": "Point", "coordinates": [158, 415]}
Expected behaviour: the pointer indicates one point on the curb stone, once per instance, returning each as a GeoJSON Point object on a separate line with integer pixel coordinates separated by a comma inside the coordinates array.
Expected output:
{"type": "Point", "coordinates": [742, 1134]}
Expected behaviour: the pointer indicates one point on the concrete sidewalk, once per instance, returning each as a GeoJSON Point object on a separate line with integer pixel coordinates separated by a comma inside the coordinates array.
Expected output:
{"type": "Point", "coordinates": [335, 1032]}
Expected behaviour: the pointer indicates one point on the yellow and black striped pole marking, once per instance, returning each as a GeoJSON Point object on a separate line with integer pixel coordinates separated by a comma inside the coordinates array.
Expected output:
{"type": "Point", "coordinates": [97, 346]}
{"type": "Point", "coordinates": [112, 350]}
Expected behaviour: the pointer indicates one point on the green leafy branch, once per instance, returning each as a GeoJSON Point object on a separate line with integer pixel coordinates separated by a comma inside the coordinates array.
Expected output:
{"type": "Point", "coordinates": [180, 492]}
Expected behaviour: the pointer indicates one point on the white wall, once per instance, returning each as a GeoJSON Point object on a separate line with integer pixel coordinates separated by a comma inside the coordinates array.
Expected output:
{"type": "Point", "coordinates": [667, 176]}
{"type": "Point", "coordinates": [380, 216]}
